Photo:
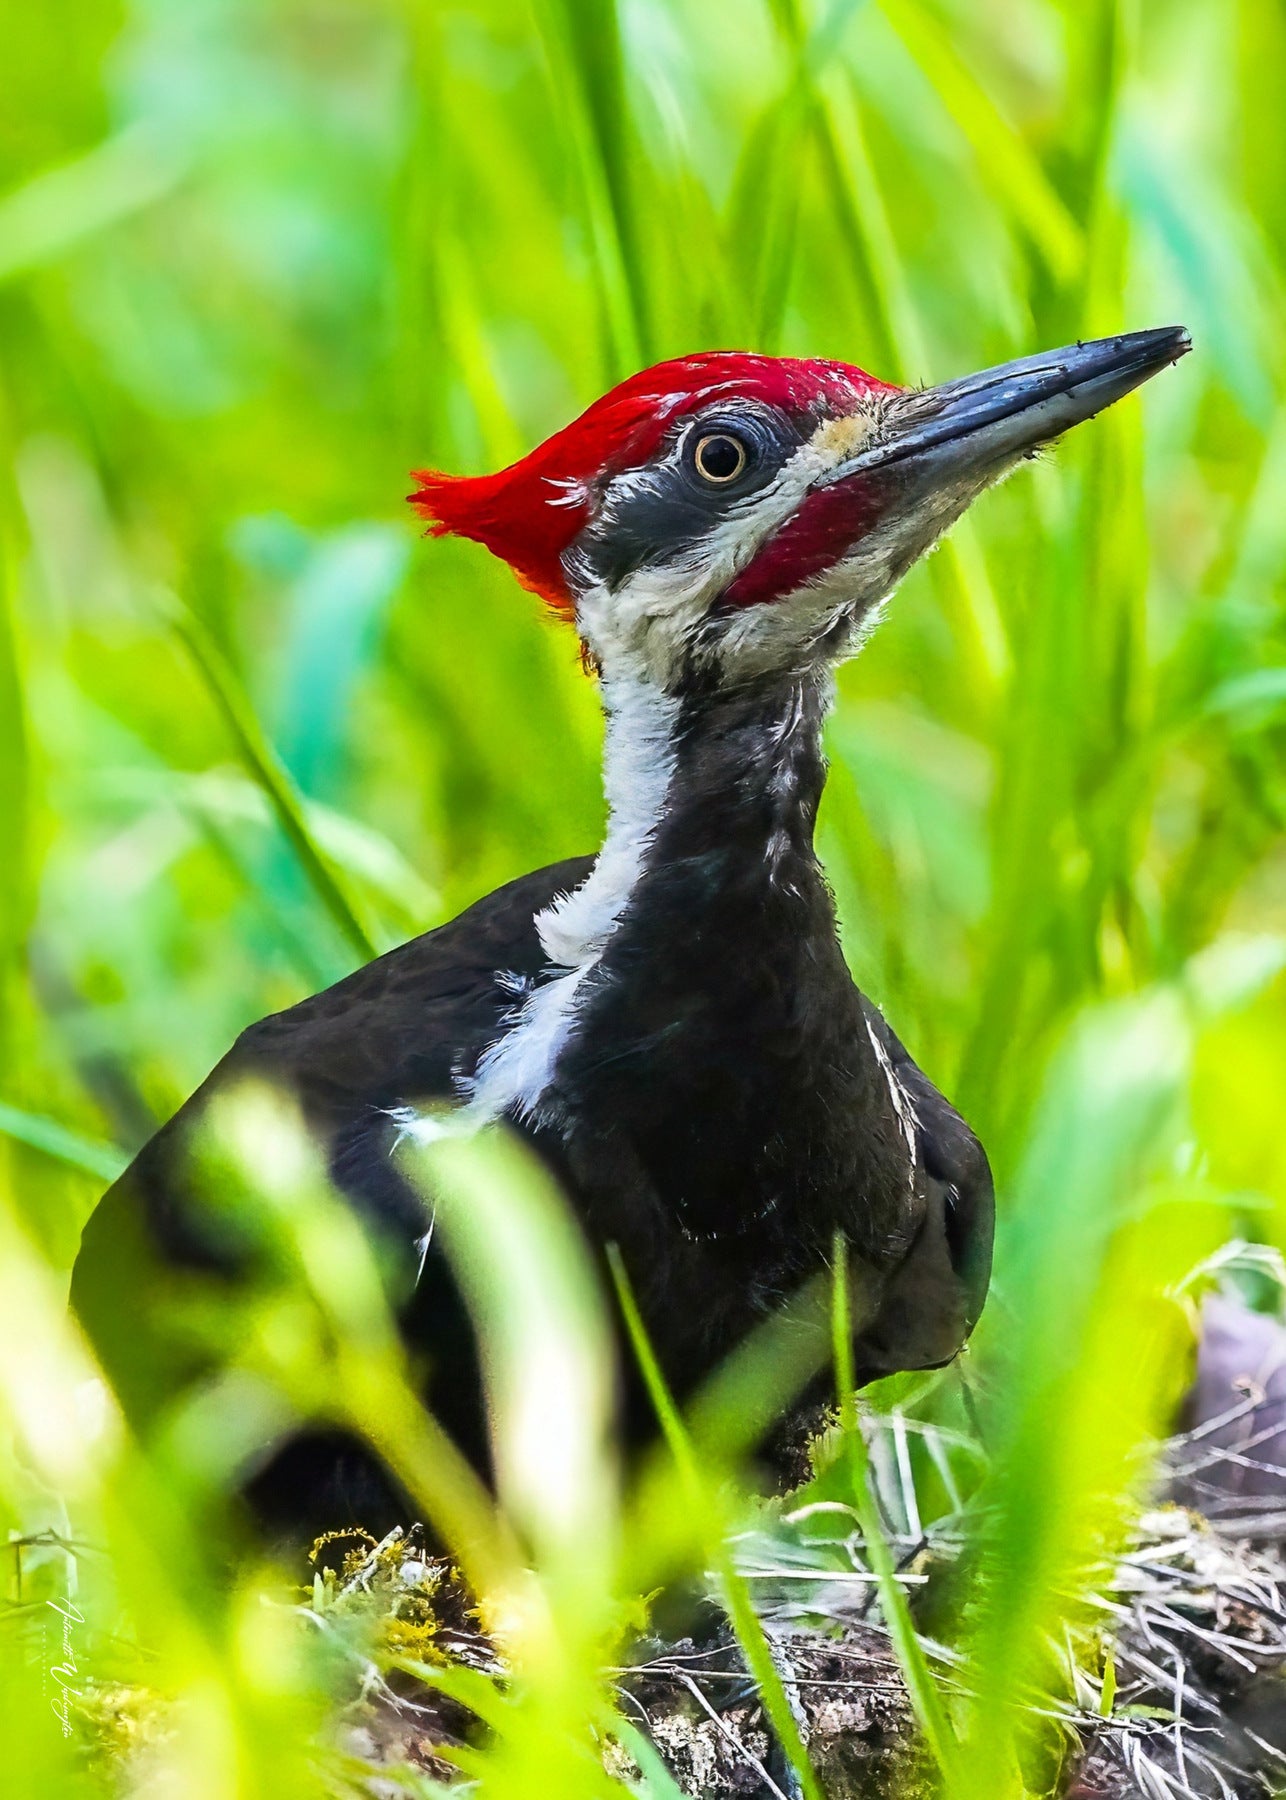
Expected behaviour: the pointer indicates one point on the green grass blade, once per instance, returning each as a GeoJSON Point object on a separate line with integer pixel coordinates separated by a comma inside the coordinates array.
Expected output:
{"type": "Point", "coordinates": [897, 346]}
{"type": "Point", "coordinates": [582, 40]}
{"type": "Point", "coordinates": [742, 1616]}
{"type": "Point", "coordinates": [657, 1782]}
{"type": "Point", "coordinates": [1004, 158]}
{"type": "Point", "coordinates": [925, 1698]}
{"type": "Point", "coordinates": [541, 1317]}
{"type": "Point", "coordinates": [757, 243]}
{"type": "Point", "coordinates": [483, 1694]}
{"type": "Point", "coordinates": [267, 769]}
{"type": "Point", "coordinates": [593, 30]}
{"type": "Point", "coordinates": [15, 808]}
{"type": "Point", "coordinates": [878, 267]}
{"type": "Point", "coordinates": [104, 1161]}
{"type": "Point", "coordinates": [807, 106]}
{"type": "Point", "coordinates": [54, 211]}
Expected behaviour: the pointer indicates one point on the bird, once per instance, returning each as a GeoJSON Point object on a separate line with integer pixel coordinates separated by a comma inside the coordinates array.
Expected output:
{"type": "Point", "coordinates": [670, 1023]}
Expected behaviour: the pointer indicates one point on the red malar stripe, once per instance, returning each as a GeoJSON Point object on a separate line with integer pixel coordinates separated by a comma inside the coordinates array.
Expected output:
{"type": "Point", "coordinates": [826, 527]}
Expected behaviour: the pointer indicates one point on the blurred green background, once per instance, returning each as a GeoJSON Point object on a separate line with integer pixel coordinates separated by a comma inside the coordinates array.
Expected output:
{"type": "Point", "coordinates": [259, 258]}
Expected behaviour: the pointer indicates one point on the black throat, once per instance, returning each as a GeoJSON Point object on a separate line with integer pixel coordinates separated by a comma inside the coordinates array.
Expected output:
{"type": "Point", "coordinates": [721, 1064]}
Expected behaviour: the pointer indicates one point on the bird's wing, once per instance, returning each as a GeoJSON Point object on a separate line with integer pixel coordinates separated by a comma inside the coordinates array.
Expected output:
{"type": "Point", "coordinates": [392, 1034]}
{"type": "Point", "coordinates": [935, 1298]}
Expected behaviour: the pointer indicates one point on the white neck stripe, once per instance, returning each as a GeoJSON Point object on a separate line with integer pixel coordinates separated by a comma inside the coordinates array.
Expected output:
{"type": "Point", "coordinates": [638, 764]}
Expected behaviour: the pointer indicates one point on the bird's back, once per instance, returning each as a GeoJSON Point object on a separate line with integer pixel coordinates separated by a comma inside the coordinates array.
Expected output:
{"type": "Point", "coordinates": [394, 1033]}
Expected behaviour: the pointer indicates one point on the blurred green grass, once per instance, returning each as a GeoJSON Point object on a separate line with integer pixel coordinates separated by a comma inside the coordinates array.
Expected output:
{"type": "Point", "coordinates": [257, 260]}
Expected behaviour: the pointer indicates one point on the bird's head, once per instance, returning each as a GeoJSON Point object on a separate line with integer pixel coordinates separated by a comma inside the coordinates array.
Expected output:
{"type": "Point", "coordinates": [728, 515]}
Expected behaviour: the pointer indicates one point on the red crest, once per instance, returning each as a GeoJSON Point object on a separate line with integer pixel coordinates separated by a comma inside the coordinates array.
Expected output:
{"type": "Point", "coordinates": [531, 512]}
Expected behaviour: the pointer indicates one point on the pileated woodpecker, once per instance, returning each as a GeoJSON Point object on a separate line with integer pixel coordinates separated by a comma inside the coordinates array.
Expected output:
{"type": "Point", "coordinates": [671, 1023]}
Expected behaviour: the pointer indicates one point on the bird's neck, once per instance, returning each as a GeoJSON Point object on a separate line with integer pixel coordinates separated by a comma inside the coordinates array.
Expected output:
{"type": "Point", "coordinates": [710, 797]}
{"type": "Point", "coordinates": [718, 1038]}
{"type": "Point", "coordinates": [745, 778]}
{"type": "Point", "coordinates": [706, 902]}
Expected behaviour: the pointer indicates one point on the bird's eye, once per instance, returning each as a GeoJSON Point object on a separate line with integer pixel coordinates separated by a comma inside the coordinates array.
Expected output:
{"type": "Point", "coordinates": [720, 457]}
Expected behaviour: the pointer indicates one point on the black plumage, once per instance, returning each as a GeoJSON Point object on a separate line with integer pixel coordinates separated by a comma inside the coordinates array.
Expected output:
{"type": "Point", "coordinates": [719, 1111]}
{"type": "Point", "coordinates": [716, 1096]}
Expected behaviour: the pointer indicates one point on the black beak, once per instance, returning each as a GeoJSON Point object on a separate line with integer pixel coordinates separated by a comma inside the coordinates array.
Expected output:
{"type": "Point", "coordinates": [1000, 414]}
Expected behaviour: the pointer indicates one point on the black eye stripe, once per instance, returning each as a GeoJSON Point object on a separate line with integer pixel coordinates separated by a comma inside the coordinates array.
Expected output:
{"type": "Point", "coordinates": [659, 512]}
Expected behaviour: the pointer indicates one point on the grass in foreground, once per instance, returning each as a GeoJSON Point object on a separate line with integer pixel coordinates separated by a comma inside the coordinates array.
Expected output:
{"type": "Point", "coordinates": [249, 276]}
